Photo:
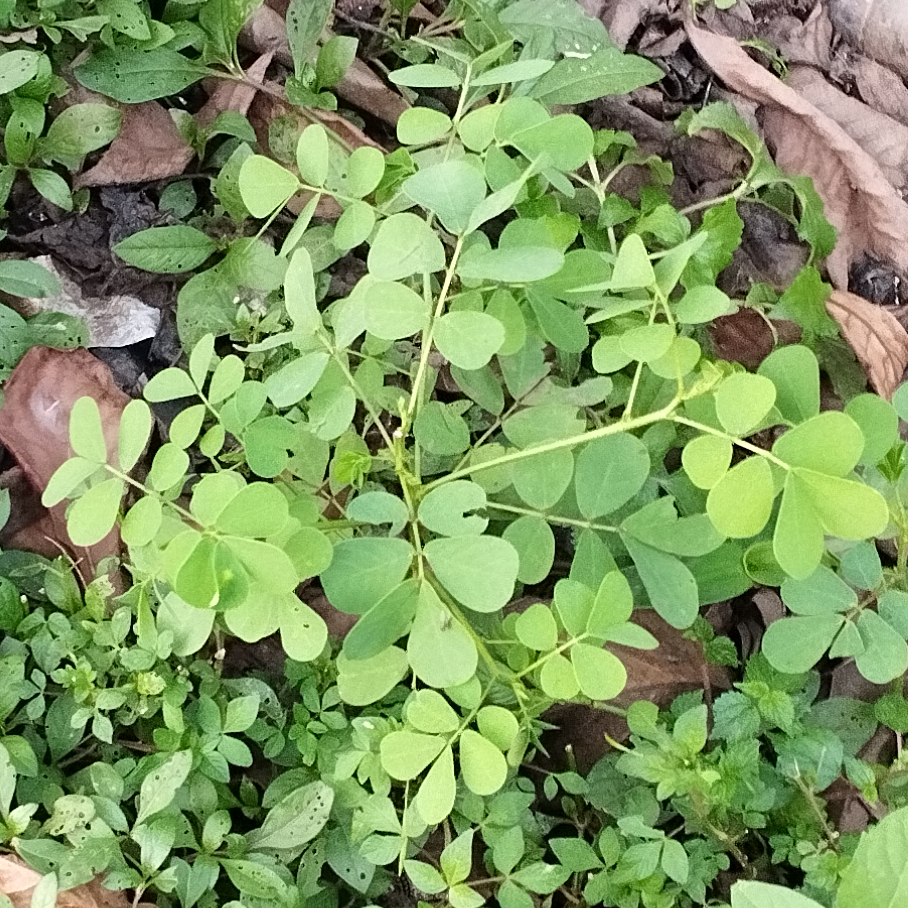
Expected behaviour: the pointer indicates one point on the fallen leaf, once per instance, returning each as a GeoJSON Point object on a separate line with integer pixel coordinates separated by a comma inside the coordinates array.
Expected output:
{"type": "Point", "coordinates": [18, 881]}
{"type": "Point", "coordinates": [149, 147]}
{"type": "Point", "coordinates": [876, 27]}
{"type": "Point", "coordinates": [34, 427]}
{"type": "Point", "coordinates": [113, 321]}
{"type": "Point", "coordinates": [227, 94]}
{"type": "Point", "coordinates": [884, 139]}
{"type": "Point", "coordinates": [656, 675]}
{"type": "Point", "coordinates": [860, 202]}
{"type": "Point", "coordinates": [878, 340]}
{"type": "Point", "coordinates": [624, 17]}
{"type": "Point", "coordinates": [881, 88]}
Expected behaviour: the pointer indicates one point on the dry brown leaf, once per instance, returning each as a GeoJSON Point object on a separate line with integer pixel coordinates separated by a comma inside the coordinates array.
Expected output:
{"type": "Point", "coordinates": [227, 95]}
{"type": "Point", "coordinates": [879, 28]}
{"type": "Point", "coordinates": [747, 337]}
{"type": "Point", "coordinates": [18, 881]}
{"type": "Point", "coordinates": [149, 147]}
{"type": "Point", "coordinates": [884, 139]}
{"type": "Point", "coordinates": [860, 202]}
{"type": "Point", "coordinates": [659, 676]}
{"type": "Point", "coordinates": [878, 340]}
{"type": "Point", "coordinates": [34, 427]}
{"type": "Point", "coordinates": [624, 17]}
{"type": "Point", "coordinates": [881, 88]}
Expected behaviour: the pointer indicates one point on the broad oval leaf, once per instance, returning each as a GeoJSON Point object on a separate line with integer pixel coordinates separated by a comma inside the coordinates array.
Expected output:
{"type": "Point", "coordinates": [478, 571]}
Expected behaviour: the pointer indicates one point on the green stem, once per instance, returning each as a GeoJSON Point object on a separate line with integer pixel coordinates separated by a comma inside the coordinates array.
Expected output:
{"type": "Point", "coordinates": [429, 334]}
{"type": "Point", "coordinates": [559, 444]}
{"type": "Point", "coordinates": [550, 518]}
{"type": "Point", "coordinates": [745, 445]}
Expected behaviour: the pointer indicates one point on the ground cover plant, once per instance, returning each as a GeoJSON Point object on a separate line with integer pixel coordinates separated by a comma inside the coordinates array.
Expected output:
{"type": "Point", "coordinates": [460, 492]}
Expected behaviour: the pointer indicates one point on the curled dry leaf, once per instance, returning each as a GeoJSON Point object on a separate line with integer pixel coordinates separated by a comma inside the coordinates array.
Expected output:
{"type": "Point", "coordinates": [18, 882]}
{"type": "Point", "coordinates": [860, 202]}
{"type": "Point", "coordinates": [34, 427]}
{"type": "Point", "coordinates": [875, 335]}
{"type": "Point", "coordinates": [881, 88]}
{"type": "Point", "coordinates": [747, 337]}
{"type": "Point", "coordinates": [884, 139]}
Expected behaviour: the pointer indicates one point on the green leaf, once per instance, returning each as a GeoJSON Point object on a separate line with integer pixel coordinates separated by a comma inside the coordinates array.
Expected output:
{"type": "Point", "coordinates": [601, 674]}
{"type": "Point", "coordinates": [441, 430]}
{"type": "Point", "coordinates": [702, 304]}
{"type": "Point", "coordinates": [86, 435]}
{"type": "Point", "coordinates": [161, 785]}
{"type": "Point", "coordinates": [361, 682]}
{"type": "Point", "coordinates": [671, 587]}
{"type": "Point", "coordinates": [542, 479]}
{"type": "Point", "coordinates": [633, 269]}
{"type": "Point", "coordinates": [560, 325]}
{"type": "Point", "coordinates": [135, 428]}
{"type": "Point", "coordinates": [435, 799]}
{"type": "Point", "coordinates": [877, 874]}
{"type": "Point", "coordinates": [830, 443]}
{"type": "Point", "coordinates": [819, 594]}
{"type": "Point", "coordinates": [478, 571]}
{"type": "Point", "coordinates": [354, 226]}
{"type": "Point", "coordinates": [16, 68]}
{"type": "Point", "coordinates": [364, 570]}
{"type": "Point", "coordinates": [498, 725]}
{"type": "Point", "coordinates": [142, 522]}
{"type": "Point", "coordinates": [422, 125]}
{"type": "Point", "coordinates": [440, 650]}
{"type": "Point", "coordinates": [425, 75]}
{"type": "Point", "coordinates": [52, 186]}
{"type": "Point", "coordinates": [743, 401]}
{"type": "Point", "coordinates": [558, 678]}
{"type": "Point", "coordinates": [507, 73]}
{"type": "Point", "coordinates": [740, 503]}
{"type": "Point", "coordinates": [428, 711]}
{"type": "Point", "coordinates": [796, 644]}
{"type": "Point", "coordinates": [609, 472]}
{"type": "Point", "coordinates": [383, 624]}
{"type": "Point", "coordinates": [306, 20]}
{"type": "Point", "coordinates": [482, 764]}
{"type": "Point", "coordinates": [91, 517]}
{"type": "Point", "coordinates": [169, 250]}
{"type": "Point", "coordinates": [425, 877]}
{"type": "Point", "coordinates": [81, 129]}
{"type": "Point", "coordinates": [752, 894]}
{"type": "Point", "coordinates": [444, 510]}
{"type": "Point", "coordinates": [467, 339]}
{"type": "Point", "coordinates": [394, 311]}
{"type": "Point", "coordinates": [66, 479]}
{"type": "Point", "coordinates": [450, 190]}
{"type": "Point", "coordinates": [257, 510]}
{"type": "Point", "coordinates": [885, 655]}
{"type": "Point", "coordinates": [536, 628]}
{"type": "Point", "coordinates": [534, 541]}
{"type": "Point", "coordinates": [798, 538]}
{"type": "Point", "coordinates": [845, 508]}
{"type": "Point", "coordinates": [878, 422]}
{"type": "Point", "coordinates": [795, 372]}
{"type": "Point", "coordinates": [133, 76]}
{"type": "Point", "coordinates": [404, 245]}
{"type": "Point", "coordinates": [575, 80]}
{"type": "Point", "coordinates": [512, 265]}
{"type": "Point", "coordinates": [294, 821]}
{"type": "Point", "coordinates": [312, 153]}
{"type": "Point", "coordinates": [559, 25]}
{"type": "Point", "coordinates": [265, 185]}
{"type": "Point", "coordinates": [23, 278]}
{"type": "Point", "coordinates": [613, 605]}
{"type": "Point", "coordinates": [334, 59]}
{"type": "Point", "coordinates": [365, 169]}
{"type": "Point", "coordinates": [706, 460]}
{"type": "Point", "coordinates": [295, 379]}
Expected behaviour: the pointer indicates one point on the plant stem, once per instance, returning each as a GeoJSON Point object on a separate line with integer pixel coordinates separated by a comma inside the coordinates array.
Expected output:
{"type": "Point", "coordinates": [429, 335]}
{"type": "Point", "coordinates": [560, 444]}
{"type": "Point", "coordinates": [559, 521]}
{"type": "Point", "coordinates": [746, 445]}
